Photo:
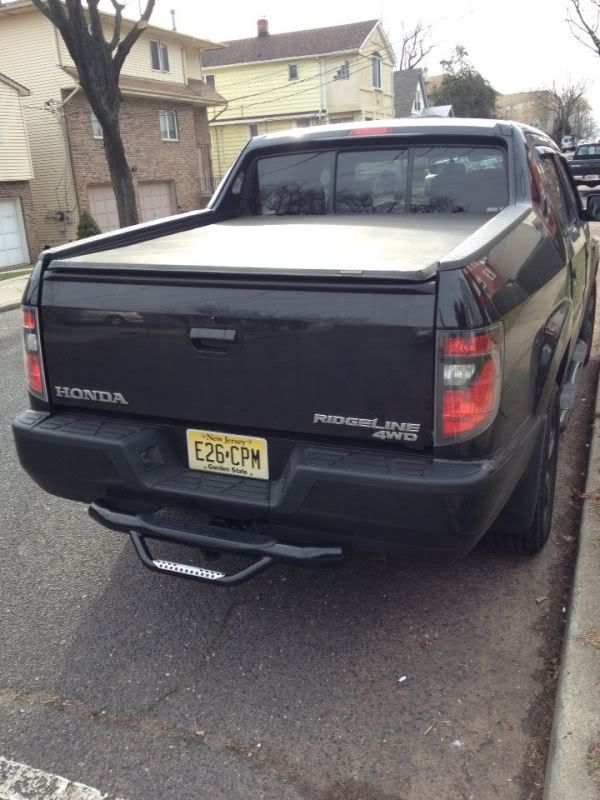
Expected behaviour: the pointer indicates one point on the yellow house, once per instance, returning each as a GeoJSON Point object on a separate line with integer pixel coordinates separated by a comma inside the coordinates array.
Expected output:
{"type": "Point", "coordinates": [274, 81]}
{"type": "Point", "coordinates": [17, 239]}
{"type": "Point", "coordinates": [164, 123]}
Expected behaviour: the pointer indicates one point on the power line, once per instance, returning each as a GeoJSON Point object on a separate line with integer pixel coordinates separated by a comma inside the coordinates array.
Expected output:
{"type": "Point", "coordinates": [295, 92]}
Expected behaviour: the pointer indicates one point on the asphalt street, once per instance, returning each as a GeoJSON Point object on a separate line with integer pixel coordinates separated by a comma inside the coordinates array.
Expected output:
{"type": "Point", "coordinates": [378, 680]}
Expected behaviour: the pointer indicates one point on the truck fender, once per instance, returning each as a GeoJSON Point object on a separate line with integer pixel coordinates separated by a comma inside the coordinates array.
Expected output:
{"type": "Point", "coordinates": [548, 356]}
{"type": "Point", "coordinates": [518, 512]}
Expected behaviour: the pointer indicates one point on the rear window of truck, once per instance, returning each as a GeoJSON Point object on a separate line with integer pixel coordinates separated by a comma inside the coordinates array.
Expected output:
{"type": "Point", "coordinates": [587, 151]}
{"type": "Point", "coordinates": [418, 180]}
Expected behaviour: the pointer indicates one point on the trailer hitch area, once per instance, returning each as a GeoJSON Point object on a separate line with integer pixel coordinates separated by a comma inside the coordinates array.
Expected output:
{"type": "Point", "coordinates": [264, 549]}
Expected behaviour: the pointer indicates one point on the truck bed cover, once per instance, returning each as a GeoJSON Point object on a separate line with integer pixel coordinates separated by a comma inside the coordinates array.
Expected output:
{"type": "Point", "coordinates": [406, 246]}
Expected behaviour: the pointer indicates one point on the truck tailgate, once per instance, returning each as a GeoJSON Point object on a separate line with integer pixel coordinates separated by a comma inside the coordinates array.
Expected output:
{"type": "Point", "coordinates": [324, 358]}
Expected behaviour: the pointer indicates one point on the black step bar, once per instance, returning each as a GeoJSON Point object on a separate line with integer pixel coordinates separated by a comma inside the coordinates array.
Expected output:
{"type": "Point", "coordinates": [266, 550]}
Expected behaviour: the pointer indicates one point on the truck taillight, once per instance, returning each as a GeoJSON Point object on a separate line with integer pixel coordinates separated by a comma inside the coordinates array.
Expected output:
{"type": "Point", "coordinates": [34, 366]}
{"type": "Point", "coordinates": [469, 382]}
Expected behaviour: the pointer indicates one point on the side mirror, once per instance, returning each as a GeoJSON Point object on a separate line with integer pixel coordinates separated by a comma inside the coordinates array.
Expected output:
{"type": "Point", "coordinates": [593, 208]}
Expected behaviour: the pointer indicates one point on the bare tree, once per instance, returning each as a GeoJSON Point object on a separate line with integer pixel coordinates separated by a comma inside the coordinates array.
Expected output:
{"type": "Point", "coordinates": [99, 62]}
{"type": "Point", "coordinates": [583, 124]}
{"type": "Point", "coordinates": [564, 104]}
{"type": "Point", "coordinates": [415, 45]}
{"type": "Point", "coordinates": [584, 20]}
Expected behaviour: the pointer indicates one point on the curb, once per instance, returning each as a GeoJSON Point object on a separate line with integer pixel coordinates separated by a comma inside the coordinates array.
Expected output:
{"type": "Point", "coordinates": [575, 739]}
{"type": "Point", "coordinates": [11, 292]}
{"type": "Point", "coordinates": [10, 307]}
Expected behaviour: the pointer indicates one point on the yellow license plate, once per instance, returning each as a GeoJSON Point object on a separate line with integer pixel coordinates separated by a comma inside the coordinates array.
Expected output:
{"type": "Point", "coordinates": [228, 454]}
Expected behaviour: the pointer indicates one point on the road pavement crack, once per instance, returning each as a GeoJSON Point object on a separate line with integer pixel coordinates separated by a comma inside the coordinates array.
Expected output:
{"type": "Point", "coordinates": [258, 757]}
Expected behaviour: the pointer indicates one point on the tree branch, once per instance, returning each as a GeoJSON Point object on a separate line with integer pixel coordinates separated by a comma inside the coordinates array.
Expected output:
{"type": "Point", "coordinates": [414, 47]}
{"type": "Point", "coordinates": [118, 20]}
{"type": "Point", "coordinates": [54, 11]}
{"type": "Point", "coordinates": [132, 36]}
{"type": "Point", "coordinates": [95, 20]}
{"type": "Point", "coordinates": [584, 27]}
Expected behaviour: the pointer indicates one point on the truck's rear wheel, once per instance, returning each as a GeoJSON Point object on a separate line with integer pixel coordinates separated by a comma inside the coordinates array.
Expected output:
{"type": "Point", "coordinates": [533, 539]}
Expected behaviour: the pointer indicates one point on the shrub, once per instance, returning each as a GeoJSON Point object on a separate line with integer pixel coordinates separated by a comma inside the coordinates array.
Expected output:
{"type": "Point", "coordinates": [87, 226]}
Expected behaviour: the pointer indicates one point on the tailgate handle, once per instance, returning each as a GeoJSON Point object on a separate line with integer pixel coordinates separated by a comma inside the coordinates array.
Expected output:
{"type": "Point", "coordinates": [213, 338]}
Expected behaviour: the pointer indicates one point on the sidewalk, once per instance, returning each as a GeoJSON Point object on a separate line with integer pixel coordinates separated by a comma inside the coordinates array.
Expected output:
{"type": "Point", "coordinates": [573, 770]}
{"type": "Point", "coordinates": [11, 291]}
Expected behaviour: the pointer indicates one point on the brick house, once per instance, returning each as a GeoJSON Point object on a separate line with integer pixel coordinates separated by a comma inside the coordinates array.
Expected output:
{"type": "Point", "coordinates": [167, 141]}
{"type": "Point", "coordinates": [18, 244]}
{"type": "Point", "coordinates": [163, 120]}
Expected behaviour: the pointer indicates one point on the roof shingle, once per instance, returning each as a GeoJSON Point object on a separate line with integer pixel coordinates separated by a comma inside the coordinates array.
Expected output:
{"type": "Point", "coordinates": [313, 42]}
{"type": "Point", "coordinates": [405, 89]}
{"type": "Point", "coordinates": [194, 92]}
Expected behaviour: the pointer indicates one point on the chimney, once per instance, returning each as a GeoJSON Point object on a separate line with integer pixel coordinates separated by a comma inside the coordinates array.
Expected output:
{"type": "Point", "coordinates": [173, 25]}
{"type": "Point", "coordinates": [262, 26]}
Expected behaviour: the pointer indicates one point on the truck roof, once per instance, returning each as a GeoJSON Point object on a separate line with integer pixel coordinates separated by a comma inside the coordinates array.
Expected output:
{"type": "Point", "coordinates": [452, 126]}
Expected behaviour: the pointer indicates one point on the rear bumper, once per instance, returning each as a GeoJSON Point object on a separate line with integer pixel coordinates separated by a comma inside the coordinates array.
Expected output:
{"type": "Point", "coordinates": [583, 175]}
{"type": "Point", "coordinates": [326, 494]}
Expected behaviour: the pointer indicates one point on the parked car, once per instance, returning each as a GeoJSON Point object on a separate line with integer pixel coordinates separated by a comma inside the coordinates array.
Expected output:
{"type": "Point", "coordinates": [585, 165]}
{"type": "Point", "coordinates": [360, 344]}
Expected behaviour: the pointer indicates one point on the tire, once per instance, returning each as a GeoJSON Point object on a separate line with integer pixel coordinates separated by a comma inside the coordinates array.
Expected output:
{"type": "Point", "coordinates": [587, 327]}
{"type": "Point", "coordinates": [532, 540]}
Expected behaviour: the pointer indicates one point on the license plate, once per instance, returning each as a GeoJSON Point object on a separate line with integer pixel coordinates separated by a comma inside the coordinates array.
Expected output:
{"type": "Point", "coordinates": [591, 177]}
{"type": "Point", "coordinates": [228, 454]}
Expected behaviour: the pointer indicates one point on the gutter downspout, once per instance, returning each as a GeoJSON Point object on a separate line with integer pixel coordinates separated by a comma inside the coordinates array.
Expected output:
{"type": "Point", "coordinates": [219, 137]}
{"type": "Point", "coordinates": [322, 99]}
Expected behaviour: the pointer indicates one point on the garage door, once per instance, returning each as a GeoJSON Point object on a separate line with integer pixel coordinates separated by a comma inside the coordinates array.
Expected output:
{"type": "Point", "coordinates": [156, 200]}
{"type": "Point", "coordinates": [13, 244]}
{"type": "Point", "coordinates": [103, 207]}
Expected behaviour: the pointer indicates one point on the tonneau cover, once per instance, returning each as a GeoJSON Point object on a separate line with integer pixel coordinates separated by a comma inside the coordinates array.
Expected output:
{"type": "Point", "coordinates": [405, 246]}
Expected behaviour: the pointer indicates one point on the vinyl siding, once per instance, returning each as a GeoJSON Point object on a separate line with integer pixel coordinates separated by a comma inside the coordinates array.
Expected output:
{"type": "Point", "coordinates": [138, 63]}
{"type": "Point", "coordinates": [343, 96]}
{"type": "Point", "coordinates": [52, 186]}
{"type": "Point", "coordinates": [272, 92]}
{"type": "Point", "coordinates": [376, 103]}
{"type": "Point", "coordinates": [15, 163]}
{"type": "Point", "coordinates": [193, 63]}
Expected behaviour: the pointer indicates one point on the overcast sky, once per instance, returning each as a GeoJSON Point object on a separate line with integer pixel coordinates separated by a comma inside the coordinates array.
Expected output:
{"type": "Point", "coordinates": [516, 44]}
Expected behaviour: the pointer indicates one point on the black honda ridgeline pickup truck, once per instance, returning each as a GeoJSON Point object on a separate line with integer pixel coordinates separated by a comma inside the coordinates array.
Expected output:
{"type": "Point", "coordinates": [369, 340]}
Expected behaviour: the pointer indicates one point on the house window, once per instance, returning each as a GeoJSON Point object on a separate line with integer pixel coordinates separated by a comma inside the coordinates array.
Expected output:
{"type": "Point", "coordinates": [168, 126]}
{"type": "Point", "coordinates": [96, 127]}
{"type": "Point", "coordinates": [253, 130]}
{"type": "Point", "coordinates": [343, 73]}
{"type": "Point", "coordinates": [376, 70]}
{"type": "Point", "coordinates": [293, 72]}
{"type": "Point", "coordinates": [209, 80]}
{"type": "Point", "coordinates": [159, 56]}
